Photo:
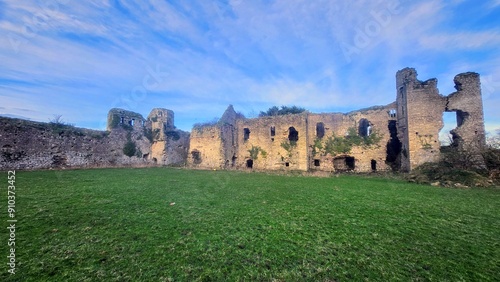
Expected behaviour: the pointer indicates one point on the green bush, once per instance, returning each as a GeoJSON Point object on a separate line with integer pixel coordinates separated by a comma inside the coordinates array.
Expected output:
{"type": "Point", "coordinates": [492, 158]}
{"type": "Point", "coordinates": [447, 175]}
{"type": "Point", "coordinates": [335, 145]}
{"type": "Point", "coordinates": [129, 149]}
{"type": "Point", "coordinates": [284, 110]}
{"type": "Point", "coordinates": [173, 134]}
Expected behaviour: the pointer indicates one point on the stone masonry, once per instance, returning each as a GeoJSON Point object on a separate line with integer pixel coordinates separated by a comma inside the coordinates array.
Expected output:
{"type": "Point", "coordinates": [407, 133]}
{"type": "Point", "coordinates": [36, 145]}
{"type": "Point", "coordinates": [399, 136]}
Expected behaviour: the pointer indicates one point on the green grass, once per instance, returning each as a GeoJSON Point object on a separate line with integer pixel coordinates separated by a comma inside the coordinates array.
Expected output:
{"type": "Point", "coordinates": [118, 225]}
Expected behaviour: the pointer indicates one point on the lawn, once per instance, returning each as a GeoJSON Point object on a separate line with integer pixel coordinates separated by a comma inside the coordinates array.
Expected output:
{"type": "Point", "coordinates": [122, 225]}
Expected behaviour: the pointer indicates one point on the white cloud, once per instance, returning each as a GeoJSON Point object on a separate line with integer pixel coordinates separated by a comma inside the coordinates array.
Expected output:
{"type": "Point", "coordinates": [494, 3]}
{"type": "Point", "coordinates": [463, 40]}
{"type": "Point", "coordinates": [245, 52]}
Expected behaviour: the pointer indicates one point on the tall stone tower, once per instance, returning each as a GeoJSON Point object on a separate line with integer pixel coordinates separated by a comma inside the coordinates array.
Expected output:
{"type": "Point", "coordinates": [169, 145]}
{"type": "Point", "coordinates": [469, 136]}
{"type": "Point", "coordinates": [419, 118]}
{"type": "Point", "coordinates": [420, 110]}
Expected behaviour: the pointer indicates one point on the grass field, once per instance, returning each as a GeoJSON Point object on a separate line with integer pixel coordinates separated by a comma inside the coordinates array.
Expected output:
{"type": "Point", "coordinates": [119, 225]}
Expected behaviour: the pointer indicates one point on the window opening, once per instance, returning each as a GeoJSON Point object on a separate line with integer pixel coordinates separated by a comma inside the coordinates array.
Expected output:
{"type": "Point", "coordinates": [320, 130]}
{"type": "Point", "coordinates": [392, 113]}
{"type": "Point", "coordinates": [196, 156]}
{"type": "Point", "coordinates": [246, 134]}
{"type": "Point", "coordinates": [293, 135]}
{"type": "Point", "coordinates": [365, 128]}
{"type": "Point", "coordinates": [249, 163]}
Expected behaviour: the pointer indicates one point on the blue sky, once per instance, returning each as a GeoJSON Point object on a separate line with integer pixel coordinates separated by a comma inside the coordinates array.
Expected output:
{"type": "Point", "coordinates": [78, 59]}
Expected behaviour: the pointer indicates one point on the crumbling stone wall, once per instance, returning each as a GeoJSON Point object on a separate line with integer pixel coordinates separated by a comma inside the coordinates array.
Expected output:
{"type": "Point", "coordinates": [273, 143]}
{"type": "Point", "coordinates": [366, 158]}
{"type": "Point", "coordinates": [467, 103]}
{"type": "Point", "coordinates": [125, 119]}
{"type": "Point", "coordinates": [36, 145]}
{"type": "Point", "coordinates": [420, 118]}
{"type": "Point", "coordinates": [205, 148]}
{"type": "Point", "coordinates": [214, 146]}
{"type": "Point", "coordinates": [169, 145]}
{"type": "Point", "coordinates": [407, 131]}
{"type": "Point", "coordinates": [420, 110]}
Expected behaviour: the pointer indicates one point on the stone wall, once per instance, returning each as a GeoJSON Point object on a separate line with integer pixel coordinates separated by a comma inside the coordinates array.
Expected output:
{"type": "Point", "coordinates": [406, 133]}
{"type": "Point", "coordinates": [366, 158]}
{"type": "Point", "coordinates": [129, 141]}
{"type": "Point", "coordinates": [287, 142]}
{"type": "Point", "coordinates": [36, 145]}
{"type": "Point", "coordinates": [273, 143]}
{"type": "Point", "coordinates": [468, 105]}
{"type": "Point", "coordinates": [169, 145]}
{"type": "Point", "coordinates": [205, 148]}
{"type": "Point", "coordinates": [398, 136]}
{"type": "Point", "coordinates": [420, 118]}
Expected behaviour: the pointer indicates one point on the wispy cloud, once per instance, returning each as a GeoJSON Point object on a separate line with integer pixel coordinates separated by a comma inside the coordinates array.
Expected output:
{"type": "Point", "coordinates": [196, 58]}
{"type": "Point", "coordinates": [463, 40]}
{"type": "Point", "coordinates": [495, 3]}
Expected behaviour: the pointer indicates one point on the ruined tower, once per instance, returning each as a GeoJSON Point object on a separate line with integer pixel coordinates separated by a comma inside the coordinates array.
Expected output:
{"type": "Point", "coordinates": [419, 117]}
{"type": "Point", "coordinates": [420, 110]}
{"type": "Point", "coordinates": [169, 145]}
{"type": "Point", "coordinates": [469, 135]}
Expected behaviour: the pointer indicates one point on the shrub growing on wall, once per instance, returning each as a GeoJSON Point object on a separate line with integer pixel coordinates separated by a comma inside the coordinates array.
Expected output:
{"type": "Point", "coordinates": [335, 145]}
{"type": "Point", "coordinates": [284, 110]}
{"type": "Point", "coordinates": [129, 149]}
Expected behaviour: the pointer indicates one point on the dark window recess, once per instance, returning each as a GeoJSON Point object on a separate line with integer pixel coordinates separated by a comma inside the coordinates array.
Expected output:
{"type": "Point", "coordinates": [461, 117]}
{"type": "Point", "coordinates": [122, 120]}
{"type": "Point", "coordinates": [131, 122]}
{"type": "Point", "coordinates": [344, 163]}
{"type": "Point", "coordinates": [249, 163]}
{"type": "Point", "coordinates": [393, 158]}
{"type": "Point", "coordinates": [374, 165]}
{"type": "Point", "coordinates": [316, 163]}
{"type": "Point", "coordinates": [350, 163]}
{"type": "Point", "coordinates": [196, 156]}
{"type": "Point", "coordinates": [273, 131]}
{"type": "Point", "coordinates": [233, 161]}
{"type": "Point", "coordinates": [365, 128]}
{"type": "Point", "coordinates": [246, 134]}
{"type": "Point", "coordinates": [287, 164]}
{"type": "Point", "coordinates": [293, 135]}
{"type": "Point", "coordinates": [320, 130]}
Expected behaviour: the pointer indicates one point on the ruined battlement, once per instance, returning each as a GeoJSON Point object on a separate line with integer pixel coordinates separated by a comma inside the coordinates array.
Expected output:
{"type": "Point", "coordinates": [120, 117]}
{"type": "Point", "coordinates": [130, 140]}
{"type": "Point", "coordinates": [399, 136]}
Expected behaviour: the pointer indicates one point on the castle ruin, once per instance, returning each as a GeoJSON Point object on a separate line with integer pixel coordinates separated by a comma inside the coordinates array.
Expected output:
{"type": "Point", "coordinates": [397, 137]}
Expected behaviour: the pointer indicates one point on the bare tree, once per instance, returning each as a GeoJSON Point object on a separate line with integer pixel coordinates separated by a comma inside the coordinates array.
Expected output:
{"type": "Point", "coordinates": [57, 119]}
